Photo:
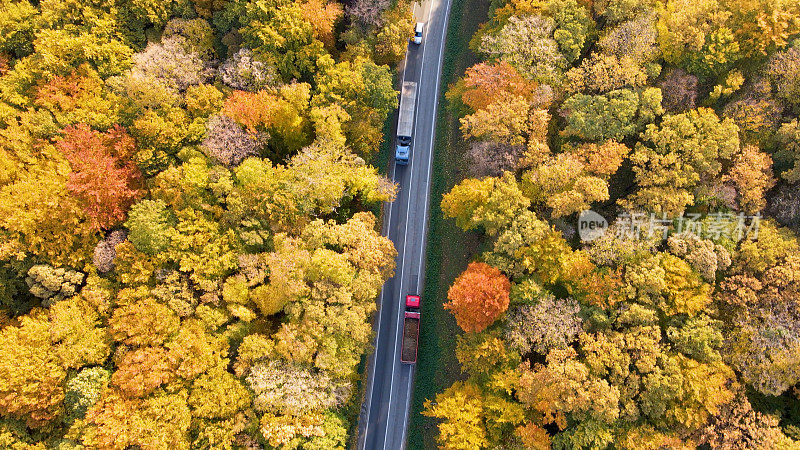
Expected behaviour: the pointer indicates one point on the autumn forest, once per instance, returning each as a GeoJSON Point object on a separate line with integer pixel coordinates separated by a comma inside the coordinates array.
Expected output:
{"type": "Point", "coordinates": [191, 197]}
{"type": "Point", "coordinates": [678, 325]}
{"type": "Point", "coordinates": [189, 250]}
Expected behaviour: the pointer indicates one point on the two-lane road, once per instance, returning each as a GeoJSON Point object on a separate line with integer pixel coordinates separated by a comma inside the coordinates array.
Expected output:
{"type": "Point", "coordinates": [384, 415]}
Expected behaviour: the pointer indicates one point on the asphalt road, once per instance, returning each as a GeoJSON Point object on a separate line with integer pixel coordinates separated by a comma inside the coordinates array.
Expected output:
{"type": "Point", "coordinates": [384, 414]}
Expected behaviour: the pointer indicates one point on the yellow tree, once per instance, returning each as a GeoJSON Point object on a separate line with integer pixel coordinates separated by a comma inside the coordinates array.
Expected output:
{"type": "Point", "coordinates": [461, 407]}
{"type": "Point", "coordinates": [491, 203]}
{"type": "Point", "coordinates": [530, 246]}
{"type": "Point", "coordinates": [31, 374]}
{"type": "Point", "coordinates": [602, 160]}
{"type": "Point", "coordinates": [80, 98]}
{"type": "Point", "coordinates": [328, 294]}
{"type": "Point", "coordinates": [563, 184]}
{"type": "Point", "coordinates": [685, 293]}
{"type": "Point", "coordinates": [193, 351]}
{"type": "Point", "coordinates": [502, 121]}
{"type": "Point", "coordinates": [141, 371]}
{"type": "Point", "coordinates": [39, 217]}
{"type": "Point", "coordinates": [282, 114]}
{"type": "Point", "coordinates": [322, 15]}
{"type": "Point", "coordinates": [391, 40]}
{"type": "Point", "coordinates": [77, 333]}
{"type": "Point", "coordinates": [763, 26]}
{"type": "Point", "coordinates": [677, 161]}
{"type": "Point", "coordinates": [218, 394]}
{"type": "Point", "coordinates": [481, 354]}
{"type": "Point", "coordinates": [685, 392]}
{"type": "Point", "coordinates": [159, 421]}
{"type": "Point", "coordinates": [684, 26]}
{"type": "Point", "coordinates": [141, 319]}
{"type": "Point", "coordinates": [603, 73]}
{"type": "Point", "coordinates": [364, 90]}
{"type": "Point", "coordinates": [752, 175]}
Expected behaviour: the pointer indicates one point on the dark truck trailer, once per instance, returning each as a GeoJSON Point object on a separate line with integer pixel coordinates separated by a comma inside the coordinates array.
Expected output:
{"type": "Point", "coordinates": [408, 353]}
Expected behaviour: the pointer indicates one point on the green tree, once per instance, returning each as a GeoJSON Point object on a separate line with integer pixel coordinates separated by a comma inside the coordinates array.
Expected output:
{"type": "Point", "coordinates": [614, 115]}
{"type": "Point", "coordinates": [532, 247]}
{"type": "Point", "coordinates": [320, 180]}
{"type": "Point", "coordinates": [18, 28]}
{"type": "Point", "coordinates": [83, 391]}
{"type": "Point", "coordinates": [573, 25]}
{"type": "Point", "coordinates": [789, 138]}
{"type": "Point", "coordinates": [148, 226]}
{"type": "Point", "coordinates": [526, 42]}
{"type": "Point", "coordinates": [202, 249]}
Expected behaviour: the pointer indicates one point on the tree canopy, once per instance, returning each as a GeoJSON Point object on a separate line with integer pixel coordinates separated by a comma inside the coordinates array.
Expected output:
{"type": "Point", "coordinates": [675, 325]}
{"type": "Point", "coordinates": [189, 255]}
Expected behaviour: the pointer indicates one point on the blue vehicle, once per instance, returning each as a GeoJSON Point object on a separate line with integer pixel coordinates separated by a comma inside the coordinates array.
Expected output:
{"type": "Point", "coordinates": [405, 122]}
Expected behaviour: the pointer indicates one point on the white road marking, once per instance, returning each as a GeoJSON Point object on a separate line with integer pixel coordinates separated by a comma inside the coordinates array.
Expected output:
{"type": "Point", "coordinates": [427, 191]}
{"type": "Point", "coordinates": [405, 238]}
{"type": "Point", "coordinates": [431, 142]}
{"type": "Point", "coordinates": [402, 272]}
{"type": "Point", "coordinates": [408, 410]}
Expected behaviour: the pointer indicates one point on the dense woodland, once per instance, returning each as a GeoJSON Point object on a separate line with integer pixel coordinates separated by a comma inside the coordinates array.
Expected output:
{"type": "Point", "coordinates": [189, 253]}
{"type": "Point", "coordinates": [669, 107]}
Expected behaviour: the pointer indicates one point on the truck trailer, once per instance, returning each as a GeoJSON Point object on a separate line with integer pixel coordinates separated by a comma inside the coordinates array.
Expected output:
{"type": "Point", "coordinates": [408, 353]}
{"type": "Point", "coordinates": [405, 122]}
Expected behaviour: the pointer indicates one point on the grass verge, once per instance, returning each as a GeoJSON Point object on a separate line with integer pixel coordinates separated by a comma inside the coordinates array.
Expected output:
{"type": "Point", "coordinates": [449, 248]}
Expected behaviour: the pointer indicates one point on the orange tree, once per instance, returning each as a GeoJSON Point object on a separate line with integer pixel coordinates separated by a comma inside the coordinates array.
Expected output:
{"type": "Point", "coordinates": [478, 297]}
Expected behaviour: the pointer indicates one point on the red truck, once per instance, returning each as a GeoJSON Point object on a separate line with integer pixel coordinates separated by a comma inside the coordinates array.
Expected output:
{"type": "Point", "coordinates": [408, 355]}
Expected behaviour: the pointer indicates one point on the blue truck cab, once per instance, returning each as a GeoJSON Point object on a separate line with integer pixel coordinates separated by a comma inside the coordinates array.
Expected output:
{"type": "Point", "coordinates": [402, 152]}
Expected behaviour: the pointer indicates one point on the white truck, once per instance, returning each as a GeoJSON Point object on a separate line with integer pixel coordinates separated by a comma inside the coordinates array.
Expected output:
{"type": "Point", "coordinates": [405, 122]}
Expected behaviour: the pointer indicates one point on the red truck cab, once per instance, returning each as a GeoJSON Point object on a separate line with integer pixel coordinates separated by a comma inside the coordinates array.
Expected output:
{"type": "Point", "coordinates": [408, 353]}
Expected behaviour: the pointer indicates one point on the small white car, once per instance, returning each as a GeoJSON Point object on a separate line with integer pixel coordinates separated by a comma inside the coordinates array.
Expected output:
{"type": "Point", "coordinates": [417, 39]}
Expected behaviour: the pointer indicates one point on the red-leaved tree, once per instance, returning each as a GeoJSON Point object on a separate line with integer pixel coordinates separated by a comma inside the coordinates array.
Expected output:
{"type": "Point", "coordinates": [104, 178]}
{"type": "Point", "coordinates": [478, 297]}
